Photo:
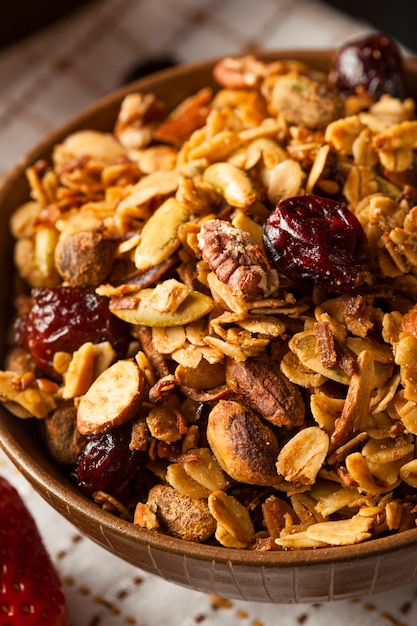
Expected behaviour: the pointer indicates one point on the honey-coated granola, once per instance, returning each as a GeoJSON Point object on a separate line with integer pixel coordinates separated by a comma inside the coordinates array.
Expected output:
{"type": "Point", "coordinates": [180, 373]}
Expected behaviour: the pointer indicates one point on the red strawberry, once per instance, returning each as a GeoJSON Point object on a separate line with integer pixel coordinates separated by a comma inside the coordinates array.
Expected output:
{"type": "Point", "coordinates": [31, 592]}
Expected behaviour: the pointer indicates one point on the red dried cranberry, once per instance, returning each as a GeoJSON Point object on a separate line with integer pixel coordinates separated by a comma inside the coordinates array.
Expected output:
{"type": "Point", "coordinates": [373, 63]}
{"type": "Point", "coordinates": [316, 238]}
{"type": "Point", "coordinates": [62, 319]}
{"type": "Point", "coordinates": [107, 463]}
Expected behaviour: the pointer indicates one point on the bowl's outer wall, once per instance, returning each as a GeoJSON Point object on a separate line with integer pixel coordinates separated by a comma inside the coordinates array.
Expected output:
{"type": "Point", "coordinates": [279, 577]}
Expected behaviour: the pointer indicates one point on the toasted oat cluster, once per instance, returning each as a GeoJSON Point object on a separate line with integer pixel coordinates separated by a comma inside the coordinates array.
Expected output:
{"type": "Point", "coordinates": [216, 323]}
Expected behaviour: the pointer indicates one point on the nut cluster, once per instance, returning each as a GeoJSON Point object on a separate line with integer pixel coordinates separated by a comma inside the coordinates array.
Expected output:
{"type": "Point", "coordinates": [250, 407]}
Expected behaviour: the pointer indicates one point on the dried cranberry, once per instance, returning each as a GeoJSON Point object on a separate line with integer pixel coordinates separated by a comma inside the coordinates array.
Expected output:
{"type": "Point", "coordinates": [62, 319]}
{"type": "Point", "coordinates": [316, 238]}
{"type": "Point", "coordinates": [373, 63]}
{"type": "Point", "coordinates": [107, 463]}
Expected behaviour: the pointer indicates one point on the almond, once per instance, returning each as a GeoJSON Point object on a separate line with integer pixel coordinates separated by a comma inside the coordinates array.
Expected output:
{"type": "Point", "coordinates": [113, 398]}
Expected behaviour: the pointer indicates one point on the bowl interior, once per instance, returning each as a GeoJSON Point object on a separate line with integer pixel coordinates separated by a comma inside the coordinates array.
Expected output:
{"type": "Point", "coordinates": [21, 441]}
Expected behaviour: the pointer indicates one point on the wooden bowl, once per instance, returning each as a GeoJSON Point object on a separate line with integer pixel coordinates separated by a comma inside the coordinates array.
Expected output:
{"type": "Point", "coordinates": [281, 577]}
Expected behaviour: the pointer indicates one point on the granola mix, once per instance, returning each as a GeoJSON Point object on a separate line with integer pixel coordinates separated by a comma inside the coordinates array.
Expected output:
{"type": "Point", "coordinates": [189, 382]}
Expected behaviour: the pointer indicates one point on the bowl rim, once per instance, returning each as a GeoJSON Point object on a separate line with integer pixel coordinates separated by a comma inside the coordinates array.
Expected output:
{"type": "Point", "coordinates": [59, 488]}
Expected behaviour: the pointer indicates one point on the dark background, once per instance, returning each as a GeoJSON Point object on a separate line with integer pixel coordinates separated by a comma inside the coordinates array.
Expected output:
{"type": "Point", "coordinates": [396, 18]}
{"type": "Point", "coordinates": [20, 18]}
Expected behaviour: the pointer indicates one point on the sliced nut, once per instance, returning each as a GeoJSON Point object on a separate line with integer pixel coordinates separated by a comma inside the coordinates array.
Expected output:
{"type": "Point", "coordinates": [113, 398]}
{"type": "Point", "coordinates": [305, 509]}
{"type": "Point", "coordinates": [277, 514]}
{"type": "Point", "coordinates": [357, 401]}
{"type": "Point", "coordinates": [79, 375]}
{"type": "Point", "coordinates": [187, 117]}
{"type": "Point", "coordinates": [153, 187]}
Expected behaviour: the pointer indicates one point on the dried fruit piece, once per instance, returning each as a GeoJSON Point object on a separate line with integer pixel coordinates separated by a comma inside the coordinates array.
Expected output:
{"type": "Point", "coordinates": [373, 64]}
{"type": "Point", "coordinates": [319, 239]}
{"type": "Point", "coordinates": [62, 319]}
{"type": "Point", "coordinates": [107, 463]}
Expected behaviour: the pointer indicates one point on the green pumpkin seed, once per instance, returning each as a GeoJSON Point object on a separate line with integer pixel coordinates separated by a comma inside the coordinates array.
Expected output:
{"type": "Point", "coordinates": [159, 237]}
{"type": "Point", "coordinates": [195, 306]}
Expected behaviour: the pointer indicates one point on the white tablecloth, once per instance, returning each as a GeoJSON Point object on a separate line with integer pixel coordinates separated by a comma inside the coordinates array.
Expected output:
{"type": "Point", "coordinates": [44, 80]}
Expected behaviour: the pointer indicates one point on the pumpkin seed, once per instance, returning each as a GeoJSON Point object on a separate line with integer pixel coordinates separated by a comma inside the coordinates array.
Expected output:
{"type": "Point", "coordinates": [195, 306]}
{"type": "Point", "coordinates": [159, 238]}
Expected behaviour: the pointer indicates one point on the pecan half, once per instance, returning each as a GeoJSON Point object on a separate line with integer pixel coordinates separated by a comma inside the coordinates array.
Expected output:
{"type": "Point", "coordinates": [266, 390]}
{"type": "Point", "coordinates": [236, 260]}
